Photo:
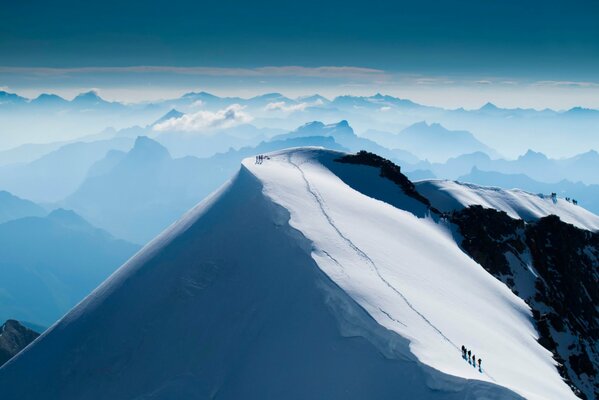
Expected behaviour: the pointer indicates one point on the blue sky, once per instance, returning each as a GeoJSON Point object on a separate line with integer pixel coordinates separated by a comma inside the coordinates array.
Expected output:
{"type": "Point", "coordinates": [446, 44]}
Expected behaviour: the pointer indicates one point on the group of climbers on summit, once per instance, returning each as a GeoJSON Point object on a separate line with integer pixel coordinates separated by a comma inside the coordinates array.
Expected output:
{"type": "Point", "coordinates": [468, 356]}
{"type": "Point", "coordinates": [260, 158]}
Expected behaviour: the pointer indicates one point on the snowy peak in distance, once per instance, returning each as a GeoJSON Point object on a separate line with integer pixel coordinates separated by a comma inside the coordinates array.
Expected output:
{"type": "Point", "coordinates": [316, 294]}
{"type": "Point", "coordinates": [173, 113]}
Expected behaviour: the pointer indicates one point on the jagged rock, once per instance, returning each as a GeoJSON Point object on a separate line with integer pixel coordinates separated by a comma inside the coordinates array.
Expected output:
{"type": "Point", "coordinates": [14, 337]}
{"type": "Point", "coordinates": [566, 286]}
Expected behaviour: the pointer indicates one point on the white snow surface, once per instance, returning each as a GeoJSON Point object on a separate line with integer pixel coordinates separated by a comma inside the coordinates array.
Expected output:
{"type": "Point", "coordinates": [288, 283]}
{"type": "Point", "coordinates": [451, 195]}
{"type": "Point", "coordinates": [411, 276]}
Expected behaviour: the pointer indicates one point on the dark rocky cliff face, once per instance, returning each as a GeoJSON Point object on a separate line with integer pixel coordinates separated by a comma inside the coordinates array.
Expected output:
{"type": "Point", "coordinates": [387, 169]}
{"type": "Point", "coordinates": [553, 266]}
{"type": "Point", "coordinates": [14, 337]}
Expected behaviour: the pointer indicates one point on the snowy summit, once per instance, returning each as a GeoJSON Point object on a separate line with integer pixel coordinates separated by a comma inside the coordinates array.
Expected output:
{"type": "Point", "coordinates": [338, 283]}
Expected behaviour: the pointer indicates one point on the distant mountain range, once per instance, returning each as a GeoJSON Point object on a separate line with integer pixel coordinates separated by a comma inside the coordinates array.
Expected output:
{"type": "Point", "coordinates": [134, 187]}
{"type": "Point", "coordinates": [57, 174]}
{"type": "Point", "coordinates": [490, 124]}
{"type": "Point", "coordinates": [13, 207]}
{"type": "Point", "coordinates": [136, 195]}
{"type": "Point", "coordinates": [93, 99]}
{"type": "Point", "coordinates": [50, 263]}
{"type": "Point", "coordinates": [431, 141]}
{"type": "Point", "coordinates": [536, 165]}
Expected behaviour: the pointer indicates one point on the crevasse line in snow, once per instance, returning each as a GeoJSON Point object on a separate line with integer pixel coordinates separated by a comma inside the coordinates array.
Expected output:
{"type": "Point", "coordinates": [363, 255]}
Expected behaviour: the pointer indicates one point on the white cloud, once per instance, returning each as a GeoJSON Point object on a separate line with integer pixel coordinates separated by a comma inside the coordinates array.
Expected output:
{"type": "Point", "coordinates": [206, 120]}
{"type": "Point", "coordinates": [385, 109]}
{"type": "Point", "coordinates": [282, 106]}
{"type": "Point", "coordinates": [197, 104]}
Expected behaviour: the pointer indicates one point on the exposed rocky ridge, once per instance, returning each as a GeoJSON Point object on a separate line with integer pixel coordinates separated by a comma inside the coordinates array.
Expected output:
{"type": "Point", "coordinates": [388, 170]}
{"type": "Point", "coordinates": [14, 337]}
{"type": "Point", "coordinates": [548, 263]}
{"type": "Point", "coordinates": [553, 267]}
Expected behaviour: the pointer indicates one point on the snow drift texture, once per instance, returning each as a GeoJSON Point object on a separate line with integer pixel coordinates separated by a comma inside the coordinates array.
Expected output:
{"type": "Point", "coordinates": [288, 283]}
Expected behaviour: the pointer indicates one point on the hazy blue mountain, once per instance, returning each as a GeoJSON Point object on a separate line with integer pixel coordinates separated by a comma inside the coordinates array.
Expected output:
{"type": "Point", "coordinates": [132, 132]}
{"type": "Point", "coordinates": [265, 99]}
{"type": "Point", "coordinates": [420, 174]}
{"type": "Point", "coordinates": [49, 100]}
{"type": "Point", "coordinates": [534, 164]}
{"type": "Point", "coordinates": [173, 113]}
{"type": "Point", "coordinates": [204, 99]}
{"type": "Point", "coordinates": [586, 195]}
{"type": "Point", "coordinates": [583, 166]}
{"type": "Point", "coordinates": [582, 112]}
{"type": "Point", "coordinates": [13, 207]}
{"type": "Point", "coordinates": [91, 100]}
{"type": "Point", "coordinates": [57, 174]}
{"type": "Point", "coordinates": [313, 99]}
{"type": "Point", "coordinates": [206, 144]}
{"type": "Point", "coordinates": [10, 99]}
{"type": "Point", "coordinates": [26, 153]}
{"type": "Point", "coordinates": [390, 140]}
{"type": "Point", "coordinates": [136, 195]}
{"type": "Point", "coordinates": [103, 166]}
{"type": "Point", "coordinates": [436, 143]}
{"type": "Point", "coordinates": [50, 263]}
{"type": "Point", "coordinates": [373, 102]}
{"type": "Point", "coordinates": [457, 166]}
{"type": "Point", "coordinates": [344, 135]}
{"type": "Point", "coordinates": [317, 128]}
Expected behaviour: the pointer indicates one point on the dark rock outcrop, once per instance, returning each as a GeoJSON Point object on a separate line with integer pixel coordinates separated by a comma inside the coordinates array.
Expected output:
{"type": "Point", "coordinates": [388, 170]}
{"type": "Point", "coordinates": [14, 337]}
{"type": "Point", "coordinates": [553, 266]}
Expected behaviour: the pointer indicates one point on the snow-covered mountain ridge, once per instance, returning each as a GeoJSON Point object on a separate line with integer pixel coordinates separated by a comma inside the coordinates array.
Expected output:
{"type": "Point", "coordinates": [451, 195]}
{"type": "Point", "coordinates": [303, 277]}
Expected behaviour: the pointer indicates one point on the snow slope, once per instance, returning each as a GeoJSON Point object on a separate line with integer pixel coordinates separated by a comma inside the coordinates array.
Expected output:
{"type": "Point", "coordinates": [288, 283]}
{"type": "Point", "coordinates": [451, 195]}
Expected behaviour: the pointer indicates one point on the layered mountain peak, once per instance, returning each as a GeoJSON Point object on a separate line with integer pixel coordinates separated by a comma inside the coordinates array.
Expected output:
{"type": "Point", "coordinates": [49, 99]}
{"type": "Point", "coordinates": [173, 113]}
{"type": "Point", "coordinates": [69, 218]}
{"type": "Point", "coordinates": [146, 148]}
{"type": "Point", "coordinates": [533, 156]}
{"type": "Point", "coordinates": [489, 107]}
{"type": "Point", "coordinates": [317, 128]}
{"type": "Point", "coordinates": [91, 97]}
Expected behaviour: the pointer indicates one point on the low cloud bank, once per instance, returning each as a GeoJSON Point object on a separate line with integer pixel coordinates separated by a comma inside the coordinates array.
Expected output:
{"type": "Point", "coordinates": [206, 120]}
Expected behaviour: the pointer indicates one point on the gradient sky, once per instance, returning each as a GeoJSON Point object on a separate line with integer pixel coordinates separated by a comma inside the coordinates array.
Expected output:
{"type": "Point", "coordinates": [451, 44]}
